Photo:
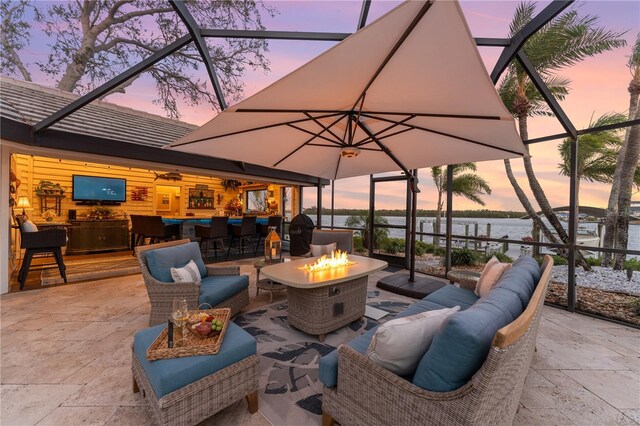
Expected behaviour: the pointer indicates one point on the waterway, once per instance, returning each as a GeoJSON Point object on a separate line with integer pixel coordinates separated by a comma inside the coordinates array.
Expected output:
{"type": "Point", "coordinates": [513, 229]}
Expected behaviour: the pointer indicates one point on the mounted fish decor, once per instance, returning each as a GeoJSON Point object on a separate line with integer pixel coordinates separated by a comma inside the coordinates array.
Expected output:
{"type": "Point", "coordinates": [168, 176]}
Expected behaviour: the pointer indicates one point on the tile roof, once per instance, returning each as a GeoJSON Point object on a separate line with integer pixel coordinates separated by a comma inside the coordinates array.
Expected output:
{"type": "Point", "coordinates": [29, 103]}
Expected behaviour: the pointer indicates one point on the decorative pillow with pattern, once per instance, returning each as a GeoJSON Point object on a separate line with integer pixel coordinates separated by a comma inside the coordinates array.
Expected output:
{"type": "Point", "coordinates": [319, 250]}
{"type": "Point", "coordinates": [29, 226]}
{"type": "Point", "coordinates": [189, 273]}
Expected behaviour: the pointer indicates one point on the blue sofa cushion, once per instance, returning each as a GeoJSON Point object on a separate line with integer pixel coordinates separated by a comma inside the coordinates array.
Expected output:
{"type": "Point", "coordinates": [169, 375]}
{"type": "Point", "coordinates": [329, 363]}
{"type": "Point", "coordinates": [160, 261]}
{"type": "Point", "coordinates": [216, 288]}
{"type": "Point", "coordinates": [450, 296]}
{"type": "Point", "coordinates": [529, 264]}
{"type": "Point", "coordinates": [462, 345]}
{"type": "Point", "coordinates": [519, 281]}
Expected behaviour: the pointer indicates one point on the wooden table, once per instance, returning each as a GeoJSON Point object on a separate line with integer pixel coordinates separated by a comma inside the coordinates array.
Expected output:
{"type": "Point", "coordinates": [324, 301]}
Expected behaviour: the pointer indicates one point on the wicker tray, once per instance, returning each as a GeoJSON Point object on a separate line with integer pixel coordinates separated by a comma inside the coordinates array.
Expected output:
{"type": "Point", "coordinates": [195, 345]}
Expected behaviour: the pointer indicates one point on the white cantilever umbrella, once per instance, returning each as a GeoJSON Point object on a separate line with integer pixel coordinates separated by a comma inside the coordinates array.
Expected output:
{"type": "Point", "coordinates": [407, 91]}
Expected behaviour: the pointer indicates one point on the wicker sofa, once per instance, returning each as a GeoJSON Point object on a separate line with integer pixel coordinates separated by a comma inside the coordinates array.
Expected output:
{"type": "Point", "coordinates": [364, 393]}
{"type": "Point", "coordinates": [221, 287]}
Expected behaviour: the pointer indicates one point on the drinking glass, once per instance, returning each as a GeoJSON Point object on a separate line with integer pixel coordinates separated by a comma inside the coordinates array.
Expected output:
{"type": "Point", "coordinates": [180, 316]}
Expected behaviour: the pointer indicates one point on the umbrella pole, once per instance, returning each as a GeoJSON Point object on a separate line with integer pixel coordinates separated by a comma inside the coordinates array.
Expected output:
{"type": "Point", "coordinates": [412, 238]}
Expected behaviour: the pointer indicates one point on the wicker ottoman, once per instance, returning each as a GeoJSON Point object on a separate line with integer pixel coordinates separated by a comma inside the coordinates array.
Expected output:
{"type": "Point", "coordinates": [186, 391]}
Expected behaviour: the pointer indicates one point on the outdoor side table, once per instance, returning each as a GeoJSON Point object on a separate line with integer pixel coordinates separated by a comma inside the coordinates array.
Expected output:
{"type": "Point", "coordinates": [267, 284]}
{"type": "Point", "coordinates": [466, 279]}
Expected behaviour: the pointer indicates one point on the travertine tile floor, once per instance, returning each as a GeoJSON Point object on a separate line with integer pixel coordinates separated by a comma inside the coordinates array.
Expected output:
{"type": "Point", "coordinates": [66, 354]}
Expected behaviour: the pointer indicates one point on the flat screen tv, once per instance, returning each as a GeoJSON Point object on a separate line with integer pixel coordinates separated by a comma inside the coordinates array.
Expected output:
{"type": "Point", "coordinates": [95, 189]}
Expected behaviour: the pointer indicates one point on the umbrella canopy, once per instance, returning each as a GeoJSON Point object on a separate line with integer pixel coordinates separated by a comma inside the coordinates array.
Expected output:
{"type": "Point", "coordinates": [407, 91]}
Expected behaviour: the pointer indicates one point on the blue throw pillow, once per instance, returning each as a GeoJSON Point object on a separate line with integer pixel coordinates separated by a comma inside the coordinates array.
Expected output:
{"type": "Point", "coordinates": [462, 345]}
{"type": "Point", "coordinates": [529, 264]}
{"type": "Point", "coordinates": [161, 260]}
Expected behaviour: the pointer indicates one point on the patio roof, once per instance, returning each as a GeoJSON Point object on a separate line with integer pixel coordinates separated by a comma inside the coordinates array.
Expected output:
{"type": "Point", "coordinates": [104, 128]}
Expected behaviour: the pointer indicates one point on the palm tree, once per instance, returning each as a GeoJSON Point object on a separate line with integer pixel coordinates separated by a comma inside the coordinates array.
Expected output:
{"type": "Point", "coordinates": [362, 222]}
{"type": "Point", "coordinates": [468, 185]}
{"type": "Point", "coordinates": [567, 39]}
{"type": "Point", "coordinates": [597, 152]}
{"type": "Point", "coordinates": [624, 164]}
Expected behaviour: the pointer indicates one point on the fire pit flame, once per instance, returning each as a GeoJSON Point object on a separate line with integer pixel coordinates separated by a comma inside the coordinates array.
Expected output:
{"type": "Point", "coordinates": [338, 259]}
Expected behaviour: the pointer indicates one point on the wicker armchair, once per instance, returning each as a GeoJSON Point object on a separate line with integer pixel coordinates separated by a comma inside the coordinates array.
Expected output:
{"type": "Point", "coordinates": [367, 394]}
{"type": "Point", "coordinates": [161, 294]}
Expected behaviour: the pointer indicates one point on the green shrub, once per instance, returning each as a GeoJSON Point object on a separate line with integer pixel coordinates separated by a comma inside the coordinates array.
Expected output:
{"type": "Point", "coordinates": [502, 257]}
{"type": "Point", "coordinates": [635, 304]}
{"type": "Point", "coordinates": [593, 261]}
{"type": "Point", "coordinates": [633, 264]}
{"type": "Point", "coordinates": [439, 251]}
{"type": "Point", "coordinates": [392, 245]}
{"type": "Point", "coordinates": [358, 244]}
{"type": "Point", "coordinates": [463, 256]}
{"type": "Point", "coordinates": [559, 260]}
{"type": "Point", "coordinates": [423, 248]}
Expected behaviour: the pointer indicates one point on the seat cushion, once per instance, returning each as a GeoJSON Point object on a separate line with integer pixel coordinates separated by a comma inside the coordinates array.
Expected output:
{"type": "Point", "coordinates": [169, 375]}
{"type": "Point", "coordinates": [463, 343]}
{"type": "Point", "coordinates": [216, 288]}
{"type": "Point", "coordinates": [531, 265]}
{"type": "Point", "coordinates": [329, 363]}
{"type": "Point", "coordinates": [450, 296]}
{"type": "Point", "coordinates": [161, 260]}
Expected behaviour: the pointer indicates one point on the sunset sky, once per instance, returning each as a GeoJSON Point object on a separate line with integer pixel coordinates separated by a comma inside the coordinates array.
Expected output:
{"type": "Point", "coordinates": [599, 85]}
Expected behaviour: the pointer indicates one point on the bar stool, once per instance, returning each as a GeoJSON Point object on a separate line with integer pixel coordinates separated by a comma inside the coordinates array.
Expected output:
{"type": "Point", "coordinates": [263, 229]}
{"type": "Point", "coordinates": [216, 233]}
{"type": "Point", "coordinates": [243, 233]}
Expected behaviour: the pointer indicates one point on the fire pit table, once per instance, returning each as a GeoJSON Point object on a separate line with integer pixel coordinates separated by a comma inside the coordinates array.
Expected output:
{"type": "Point", "coordinates": [326, 300]}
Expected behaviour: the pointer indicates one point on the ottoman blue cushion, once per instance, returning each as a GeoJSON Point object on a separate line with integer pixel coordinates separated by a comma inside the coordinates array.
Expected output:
{"type": "Point", "coordinates": [169, 375]}
{"type": "Point", "coordinates": [160, 261]}
{"type": "Point", "coordinates": [462, 345]}
{"type": "Point", "coordinates": [529, 264]}
{"type": "Point", "coordinates": [216, 288]}
{"type": "Point", "coordinates": [450, 296]}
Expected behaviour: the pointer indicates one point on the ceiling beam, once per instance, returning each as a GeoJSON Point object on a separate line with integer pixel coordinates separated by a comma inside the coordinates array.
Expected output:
{"type": "Point", "coordinates": [194, 30]}
{"type": "Point", "coordinates": [586, 131]}
{"type": "Point", "coordinates": [519, 39]}
{"type": "Point", "coordinates": [364, 13]}
{"type": "Point", "coordinates": [112, 84]}
{"type": "Point", "coordinates": [273, 35]}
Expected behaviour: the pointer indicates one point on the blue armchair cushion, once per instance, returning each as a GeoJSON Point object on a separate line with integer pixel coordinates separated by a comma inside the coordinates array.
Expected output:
{"type": "Point", "coordinates": [529, 264]}
{"type": "Point", "coordinates": [169, 375]}
{"type": "Point", "coordinates": [161, 260]}
{"type": "Point", "coordinates": [216, 288]}
{"type": "Point", "coordinates": [450, 296]}
{"type": "Point", "coordinates": [462, 345]}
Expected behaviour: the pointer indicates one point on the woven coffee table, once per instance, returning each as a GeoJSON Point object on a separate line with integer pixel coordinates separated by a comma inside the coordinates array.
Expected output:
{"type": "Point", "coordinates": [324, 301]}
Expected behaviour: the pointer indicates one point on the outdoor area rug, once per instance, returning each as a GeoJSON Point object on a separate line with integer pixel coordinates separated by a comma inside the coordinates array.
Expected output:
{"type": "Point", "coordinates": [290, 391]}
{"type": "Point", "coordinates": [87, 270]}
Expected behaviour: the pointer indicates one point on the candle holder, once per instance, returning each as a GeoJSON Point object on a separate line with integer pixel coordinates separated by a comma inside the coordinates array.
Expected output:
{"type": "Point", "coordinates": [273, 246]}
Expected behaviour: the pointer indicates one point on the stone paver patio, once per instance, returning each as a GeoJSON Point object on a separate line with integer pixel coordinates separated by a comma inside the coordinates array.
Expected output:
{"type": "Point", "coordinates": [66, 360]}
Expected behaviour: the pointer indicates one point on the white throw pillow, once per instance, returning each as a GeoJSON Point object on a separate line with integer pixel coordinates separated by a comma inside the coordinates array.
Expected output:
{"type": "Point", "coordinates": [491, 273]}
{"type": "Point", "coordinates": [318, 250]}
{"type": "Point", "coordinates": [399, 344]}
{"type": "Point", "coordinates": [29, 226]}
{"type": "Point", "coordinates": [189, 273]}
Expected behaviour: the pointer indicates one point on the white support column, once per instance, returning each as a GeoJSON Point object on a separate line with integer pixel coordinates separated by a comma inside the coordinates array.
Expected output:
{"type": "Point", "coordinates": [5, 218]}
